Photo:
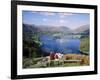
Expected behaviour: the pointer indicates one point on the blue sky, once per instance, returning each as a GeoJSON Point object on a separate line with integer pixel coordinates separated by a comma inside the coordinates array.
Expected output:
{"type": "Point", "coordinates": [56, 19]}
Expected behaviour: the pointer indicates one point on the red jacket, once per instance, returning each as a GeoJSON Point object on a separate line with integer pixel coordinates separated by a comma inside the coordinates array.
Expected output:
{"type": "Point", "coordinates": [52, 56]}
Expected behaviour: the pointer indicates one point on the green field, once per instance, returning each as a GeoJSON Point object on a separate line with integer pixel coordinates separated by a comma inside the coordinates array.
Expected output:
{"type": "Point", "coordinates": [84, 45]}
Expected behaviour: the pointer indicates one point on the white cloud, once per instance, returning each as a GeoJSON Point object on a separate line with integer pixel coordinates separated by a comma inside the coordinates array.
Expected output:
{"type": "Point", "coordinates": [47, 13]}
{"type": "Point", "coordinates": [62, 15]}
{"type": "Point", "coordinates": [66, 14]}
{"type": "Point", "coordinates": [44, 19]}
{"type": "Point", "coordinates": [61, 21]}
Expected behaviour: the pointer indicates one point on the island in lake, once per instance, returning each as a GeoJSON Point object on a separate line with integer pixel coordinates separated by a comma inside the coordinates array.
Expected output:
{"type": "Point", "coordinates": [46, 45]}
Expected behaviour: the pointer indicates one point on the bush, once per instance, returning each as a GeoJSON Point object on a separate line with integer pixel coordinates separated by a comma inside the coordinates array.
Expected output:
{"type": "Point", "coordinates": [27, 62]}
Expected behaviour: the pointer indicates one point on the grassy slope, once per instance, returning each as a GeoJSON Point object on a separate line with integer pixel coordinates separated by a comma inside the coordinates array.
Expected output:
{"type": "Point", "coordinates": [84, 46]}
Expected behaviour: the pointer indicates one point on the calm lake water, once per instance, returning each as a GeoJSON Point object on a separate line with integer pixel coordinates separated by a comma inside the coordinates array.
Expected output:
{"type": "Point", "coordinates": [63, 45]}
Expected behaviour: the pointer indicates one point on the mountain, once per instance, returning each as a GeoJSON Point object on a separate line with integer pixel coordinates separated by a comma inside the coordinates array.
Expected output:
{"type": "Point", "coordinates": [51, 29]}
{"type": "Point", "coordinates": [82, 29]}
{"type": "Point", "coordinates": [41, 28]}
{"type": "Point", "coordinates": [28, 28]}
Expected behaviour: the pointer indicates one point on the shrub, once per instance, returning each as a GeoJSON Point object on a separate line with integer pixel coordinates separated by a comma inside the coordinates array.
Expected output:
{"type": "Point", "coordinates": [27, 62]}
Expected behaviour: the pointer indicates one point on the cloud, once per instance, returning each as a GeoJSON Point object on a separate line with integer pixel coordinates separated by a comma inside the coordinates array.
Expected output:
{"type": "Point", "coordinates": [44, 19]}
{"type": "Point", "coordinates": [44, 13]}
{"type": "Point", "coordinates": [64, 14]}
{"type": "Point", "coordinates": [47, 13]}
{"type": "Point", "coordinates": [60, 14]}
{"type": "Point", "coordinates": [35, 12]}
{"type": "Point", "coordinates": [61, 21]}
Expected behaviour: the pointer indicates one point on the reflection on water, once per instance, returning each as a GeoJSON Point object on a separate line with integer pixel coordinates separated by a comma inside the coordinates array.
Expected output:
{"type": "Point", "coordinates": [62, 45]}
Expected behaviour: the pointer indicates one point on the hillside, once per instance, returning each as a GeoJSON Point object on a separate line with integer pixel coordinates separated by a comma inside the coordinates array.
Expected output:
{"type": "Point", "coordinates": [82, 29]}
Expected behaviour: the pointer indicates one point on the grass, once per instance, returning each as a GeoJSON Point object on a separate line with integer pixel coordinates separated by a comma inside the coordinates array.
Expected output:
{"type": "Point", "coordinates": [84, 45]}
{"type": "Point", "coordinates": [84, 58]}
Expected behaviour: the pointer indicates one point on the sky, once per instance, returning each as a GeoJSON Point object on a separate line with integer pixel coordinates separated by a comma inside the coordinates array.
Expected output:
{"type": "Point", "coordinates": [56, 19]}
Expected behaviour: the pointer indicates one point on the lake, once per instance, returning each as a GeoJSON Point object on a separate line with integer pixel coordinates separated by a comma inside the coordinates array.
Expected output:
{"type": "Point", "coordinates": [62, 45]}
